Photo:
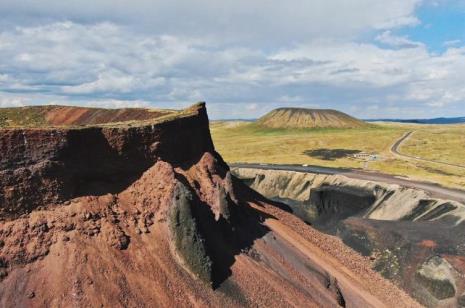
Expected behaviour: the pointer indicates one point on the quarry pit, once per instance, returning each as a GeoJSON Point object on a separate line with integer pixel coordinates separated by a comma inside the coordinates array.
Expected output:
{"type": "Point", "coordinates": [412, 238]}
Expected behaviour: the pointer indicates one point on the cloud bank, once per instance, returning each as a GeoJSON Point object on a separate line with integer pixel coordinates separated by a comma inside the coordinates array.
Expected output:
{"type": "Point", "coordinates": [242, 57]}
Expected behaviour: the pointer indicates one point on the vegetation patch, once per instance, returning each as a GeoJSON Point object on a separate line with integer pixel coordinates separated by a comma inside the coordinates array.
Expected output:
{"type": "Point", "coordinates": [443, 143]}
{"type": "Point", "coordinates": [387, 263]}
{"type": "Point", "coordinates": [24, 117]}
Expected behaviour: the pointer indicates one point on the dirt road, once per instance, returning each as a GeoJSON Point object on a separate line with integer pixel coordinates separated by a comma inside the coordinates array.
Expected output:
{"type": "Point", "coordinates": [346, 279]}
{"type": "Point", "coordinates": [396, 152]}
{"type": "Point", "coordinates": [434, 190]}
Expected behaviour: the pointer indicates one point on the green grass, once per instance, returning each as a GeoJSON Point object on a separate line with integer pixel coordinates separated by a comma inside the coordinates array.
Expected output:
{"type": "Point", "coordinates": [36, 117]}
{"type": "Point", "coordinates": [249, 142]}
{"type": "Point", "coordinates": [25, 117]}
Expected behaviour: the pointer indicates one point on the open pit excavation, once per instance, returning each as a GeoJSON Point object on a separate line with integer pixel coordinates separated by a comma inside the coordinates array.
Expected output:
{"type": "Point", "coordinates": [413, 239]}
{"type": "Point", "coordinates": [134, 208]}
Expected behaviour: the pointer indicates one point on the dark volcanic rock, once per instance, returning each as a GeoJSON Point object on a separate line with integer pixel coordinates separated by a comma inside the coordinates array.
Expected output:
{"type": "Point", "coordinates": [437, 276]}
{"type": "Point", "coordinates": [187, 237]}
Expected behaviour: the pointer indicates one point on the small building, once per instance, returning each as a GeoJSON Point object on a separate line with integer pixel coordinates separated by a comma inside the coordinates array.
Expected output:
{"type": "Point", "coordinates": [366, 156]}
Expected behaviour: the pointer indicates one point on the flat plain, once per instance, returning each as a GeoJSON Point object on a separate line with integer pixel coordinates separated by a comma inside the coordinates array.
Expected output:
{"type": "Point", "coordinates": [249, 142]}
{"type": "Point", "coordinates": [439, 143]}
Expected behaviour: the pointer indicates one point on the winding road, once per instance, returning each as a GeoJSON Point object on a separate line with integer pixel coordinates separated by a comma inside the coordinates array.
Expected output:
{"type": "Point", "coordinates": [434, 190]}
{"type": "Point", "coordinates": [396, 152]}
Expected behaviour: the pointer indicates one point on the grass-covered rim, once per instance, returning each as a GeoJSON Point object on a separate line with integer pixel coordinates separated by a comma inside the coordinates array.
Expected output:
{"type": "Point", "coordinates": [57, 116]}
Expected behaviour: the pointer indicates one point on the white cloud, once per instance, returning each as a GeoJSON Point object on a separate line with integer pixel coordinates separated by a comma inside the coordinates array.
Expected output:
{"type": "Point", "coordinates": [251, 107]}
{"type": "Point", "coordinates": [226, 20]}
{"type": "Point", "coordinates": [114, 103]}
{"type": "Point", "coordinates": [397, 41]}
{"type": "Point", "coordinates": [114, 82]}
{"type": "Point", "coordinates": [350, 64]}
{"type": "Point", "coordinates": [300, 53]}
{"type": "Point", "coordinates": [398, 22]}
{"type": "Point", "coordinates": [17, 100]}
{"type": "Point", "coordinates": [452, 43]}
{"type": "Point", "coordinates": [6, 101]}
{"type": "Point", "coordinates": [290, 99]}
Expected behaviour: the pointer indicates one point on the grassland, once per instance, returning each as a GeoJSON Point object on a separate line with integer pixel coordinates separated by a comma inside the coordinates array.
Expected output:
{"type": "Point", "coordinates": [78, 117]}
{"type": "Point", "coordinates": [249, 142]}
{"type": "Point", "coordinates": [25, 117]}
{"type": "Point", "coordinates": [439, 143]}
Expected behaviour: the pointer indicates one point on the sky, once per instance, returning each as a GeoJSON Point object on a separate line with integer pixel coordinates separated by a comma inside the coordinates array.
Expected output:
{"type": "Point", "coordinates": [369, 58]}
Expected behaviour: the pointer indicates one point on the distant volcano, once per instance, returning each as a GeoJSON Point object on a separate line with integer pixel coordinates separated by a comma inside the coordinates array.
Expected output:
{"type": "Point", "coordinates": [309, 118]}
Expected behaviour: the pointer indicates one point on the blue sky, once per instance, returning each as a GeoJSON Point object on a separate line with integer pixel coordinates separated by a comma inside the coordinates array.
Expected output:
{"type": "Point", "coordinates": [369, 58]}
{"type": "Point", "coordinates": [442, 25]}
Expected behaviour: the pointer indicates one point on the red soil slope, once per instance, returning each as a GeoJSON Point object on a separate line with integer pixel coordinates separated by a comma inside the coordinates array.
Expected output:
{"type": "Point", "coordinates": [182, 233]}
{"type": "Point", "coordinates": [65, 115]}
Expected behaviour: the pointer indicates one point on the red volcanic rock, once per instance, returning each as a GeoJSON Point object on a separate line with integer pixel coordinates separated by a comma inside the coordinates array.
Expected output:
{"type": "Point", "coordinates": [150, 216]}
{"type": "Point", "coordinates": [50, 165]}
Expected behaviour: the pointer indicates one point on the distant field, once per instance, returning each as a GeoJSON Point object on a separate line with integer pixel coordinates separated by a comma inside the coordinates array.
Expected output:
{"type": "Point", "coordinates": [248, 142]}
{"type": "Point", "coordinates": [445, 144]}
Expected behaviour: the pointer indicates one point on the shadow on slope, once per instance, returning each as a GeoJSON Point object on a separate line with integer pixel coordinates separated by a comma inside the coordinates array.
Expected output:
{"type": "Point", "coordinates": [209, 244]}
{"type": "Point", "coordinates": [330, 154]}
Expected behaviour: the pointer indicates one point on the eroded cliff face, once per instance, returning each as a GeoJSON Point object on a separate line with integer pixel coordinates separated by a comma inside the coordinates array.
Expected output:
{"type": "Point", "coordinates": [149, 215]}
{"type": "Point", "coordinates": [39, 166]}
{"type": "Point", "coordinates": [414, 240]}
{"type": "Point", "coordinates": [320, 195]}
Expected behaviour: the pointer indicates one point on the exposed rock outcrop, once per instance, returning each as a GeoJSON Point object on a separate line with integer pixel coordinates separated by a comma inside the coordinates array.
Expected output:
{"type": "Point", "coordinates": [319, 195]}
{"type": "Point", "coordinates": [39, 166]}
{"type": "Point", "coordinates": [437, 276]}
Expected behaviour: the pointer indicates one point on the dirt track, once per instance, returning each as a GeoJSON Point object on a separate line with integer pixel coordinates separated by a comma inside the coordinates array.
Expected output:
{"type": "Point", "coordinates": [396, 152]}
{"type": "Point", "coordinates": [434, 190]}
{"type": "Point", "coordinates": [358, 283]}
{"type": "Point", "coordinates": [345, 278]}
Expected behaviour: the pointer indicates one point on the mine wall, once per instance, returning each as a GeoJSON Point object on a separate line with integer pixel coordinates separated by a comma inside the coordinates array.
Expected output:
{"type": "Point", "coordinates": [328, 195]}
{"type": "Point", "coordinates": [413, 239]}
